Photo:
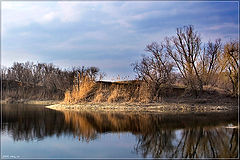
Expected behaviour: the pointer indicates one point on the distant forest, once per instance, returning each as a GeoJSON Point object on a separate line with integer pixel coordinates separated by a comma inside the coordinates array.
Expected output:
{"type": "Point", "coordinates": [181, 60]}
{"type": "Point", "coordinates": [40, 81]}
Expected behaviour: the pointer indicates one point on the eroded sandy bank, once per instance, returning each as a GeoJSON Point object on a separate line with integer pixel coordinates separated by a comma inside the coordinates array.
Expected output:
{"type": "Point", "coordinates": [154, 107]}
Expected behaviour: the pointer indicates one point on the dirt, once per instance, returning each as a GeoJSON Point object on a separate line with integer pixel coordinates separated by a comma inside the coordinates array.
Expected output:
{"type": "Point", "coordinates": [150, 107]}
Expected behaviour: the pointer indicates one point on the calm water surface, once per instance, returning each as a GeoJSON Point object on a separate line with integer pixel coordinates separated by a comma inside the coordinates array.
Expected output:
{"type": "Point", "coordinates": [31, 131]}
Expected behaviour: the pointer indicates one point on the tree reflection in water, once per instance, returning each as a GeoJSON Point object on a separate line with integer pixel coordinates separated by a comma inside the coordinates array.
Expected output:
{"type": "Point", "coordinates": [165, 135]}
{"type": "Point", "coordinates": [194, 143]}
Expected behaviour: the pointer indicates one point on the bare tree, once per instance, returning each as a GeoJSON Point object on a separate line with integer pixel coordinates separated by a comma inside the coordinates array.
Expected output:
{"type": "Point", "coordinates": [231, 64]}
{"type": "Point", "coordinates": [156, 69]}
{"type": "Point", "coordinates": [210, 62]}
{"type": "Point", "coordinates": [52, 80]}
{"type": "Point", "coordinates": [185, 48]}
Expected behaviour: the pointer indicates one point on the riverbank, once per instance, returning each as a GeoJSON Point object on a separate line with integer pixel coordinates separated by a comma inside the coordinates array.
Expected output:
{"type": "Point", "coordinates": [206, 103]}
{"type": "Point", "coordinates": [171, 105]}
{"type": "Point", "coordinates": [24, 101]}
{"type": "Point", "coordinates": [149, 107]}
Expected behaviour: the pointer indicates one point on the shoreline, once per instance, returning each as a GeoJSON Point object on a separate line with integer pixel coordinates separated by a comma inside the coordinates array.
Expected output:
{"type": "Point", "coordinates": [136, 108]}
{"type": "Point", "coordinates": [164, 107]}
{"type": "Point", "coordinates": [37, 102]}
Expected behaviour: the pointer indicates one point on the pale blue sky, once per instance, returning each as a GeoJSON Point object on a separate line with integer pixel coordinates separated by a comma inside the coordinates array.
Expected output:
{"type": "Point", "coordinates": [108, 35]}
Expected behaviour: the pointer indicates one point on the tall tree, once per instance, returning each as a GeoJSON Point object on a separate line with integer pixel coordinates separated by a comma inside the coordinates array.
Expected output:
{"type": "Point", "coordinates": [155, 69]}
{"type": "Point", "coordinates": [231, 64]}
{"type": "Point", "coordinates": [185, 48]}
{"type": "Point", "coordinates": [209, 63]}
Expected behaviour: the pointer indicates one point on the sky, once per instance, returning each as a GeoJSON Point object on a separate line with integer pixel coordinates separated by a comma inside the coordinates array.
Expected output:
{"type": "Point", "coordinates": [105, 34]}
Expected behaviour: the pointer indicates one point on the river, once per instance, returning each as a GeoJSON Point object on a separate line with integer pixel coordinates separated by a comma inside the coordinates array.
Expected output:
{"type": "Point", "coordinates": [33, 131]}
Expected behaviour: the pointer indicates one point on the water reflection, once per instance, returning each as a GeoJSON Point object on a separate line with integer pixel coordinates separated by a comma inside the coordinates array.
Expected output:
{"type": "Point", "coordinates": [166, 135]}
{"type": "Point", "coordinates": [191, 143]}
{"type": "Point", "coordinates": [25, 122]}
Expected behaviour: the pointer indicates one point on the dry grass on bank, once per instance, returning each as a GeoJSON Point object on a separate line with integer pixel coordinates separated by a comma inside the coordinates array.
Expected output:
{"type": "Point", "coordinates": [139, 92]}
{"type": "Point", "coordinates": [110, 92]}
{"type": "Point", "coordinates": [80, 92]}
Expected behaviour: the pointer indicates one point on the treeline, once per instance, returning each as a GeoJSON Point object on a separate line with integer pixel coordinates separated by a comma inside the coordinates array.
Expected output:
{"type": "Point", "coordinates": [184, 58]}
{"type": "Point", "coordinates": [180, 60]}
{"type": "Point", "coordinates": [41, 81]}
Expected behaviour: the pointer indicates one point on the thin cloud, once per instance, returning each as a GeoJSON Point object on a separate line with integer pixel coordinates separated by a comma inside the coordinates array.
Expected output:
{"type": "Point", "coordinates": [18, 56]}
{"type": "Point", "coordinates": [223, 26]}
